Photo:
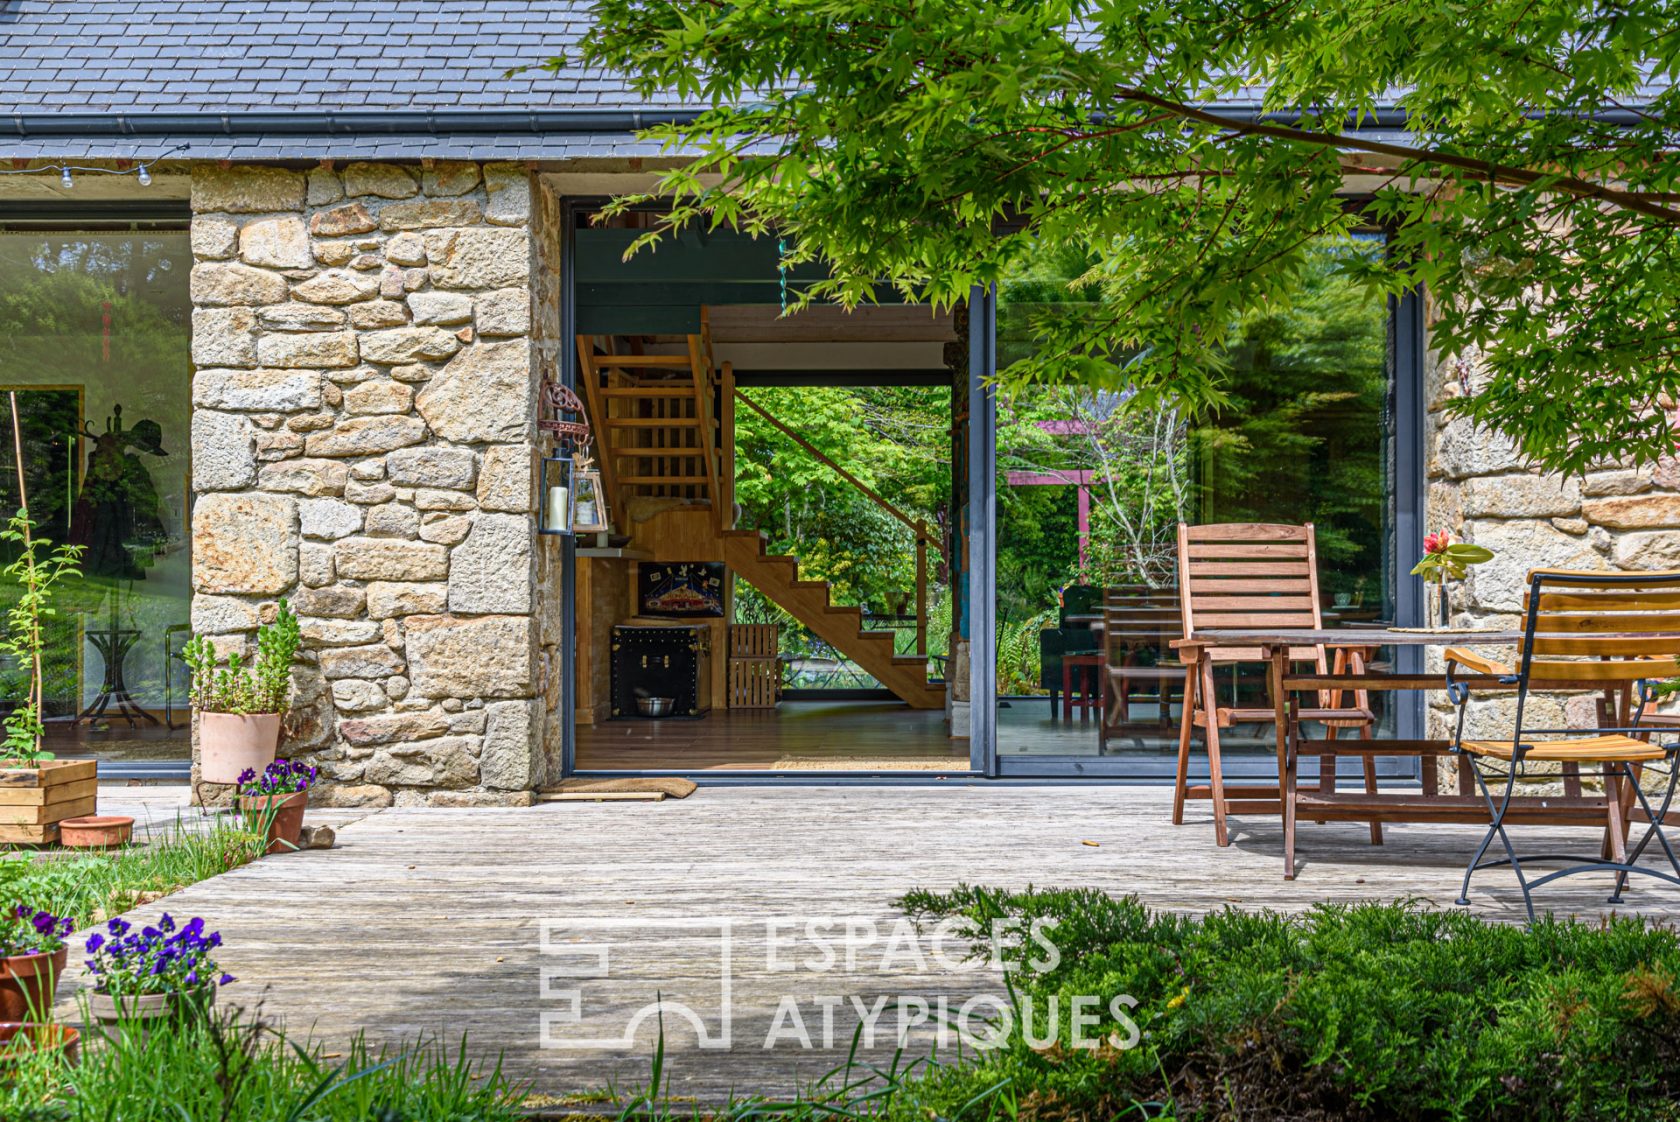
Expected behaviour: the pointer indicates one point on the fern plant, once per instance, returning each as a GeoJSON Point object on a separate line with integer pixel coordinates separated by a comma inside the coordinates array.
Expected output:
{"type": "Point", "coordinates": [234, 685]}
{"type": "Point", "coordinates": [36, 576]}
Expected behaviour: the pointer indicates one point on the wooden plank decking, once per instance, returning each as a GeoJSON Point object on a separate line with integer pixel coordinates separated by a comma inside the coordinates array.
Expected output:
{"type": "Point", "coordinates": [432, 921]}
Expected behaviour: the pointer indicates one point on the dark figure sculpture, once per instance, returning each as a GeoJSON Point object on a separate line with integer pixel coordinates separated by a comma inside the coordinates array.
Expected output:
{"type": "Point", "coordinates": [119, 503]}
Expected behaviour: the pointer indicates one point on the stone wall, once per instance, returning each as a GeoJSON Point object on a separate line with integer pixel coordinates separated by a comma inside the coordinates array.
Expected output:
{"type": "Point", "coordinates": [1478, 488]}
{"type": "Point", "coordinates": [364, 444]}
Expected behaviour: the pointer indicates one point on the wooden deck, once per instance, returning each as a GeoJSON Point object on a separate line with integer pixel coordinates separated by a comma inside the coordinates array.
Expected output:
{"type": "Point", "coordinates": [435, 921]}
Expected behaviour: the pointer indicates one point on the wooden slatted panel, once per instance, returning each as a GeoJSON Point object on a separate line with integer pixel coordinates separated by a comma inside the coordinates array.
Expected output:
{"type": "Point", "coordinates": [1628, 623]}
{"type": "Point", "coordinates": [1245, 569]}
{"type": "Point", "coordinates": [1609, 598]}
{"type": "Point", "coordinates": [1245, 531]}
{"type": "Point", "coordinates": [1615, 630]}
{"type": "Point", "coordinates": [43, 815]}
{"type": "Point", "coordinates": [753, 683]}
{"type": "Point", "coordinates": [1604, 670]}
{"type": "Point", "coordinates": [1248, 550]}
{"type": "Point", "coordinates": [754, 640]}
{"type": "Point", "coordinates": [1211, 583]}
{"type": "Point", "coordinates": [1257, 575]}
{"type": "Point", "coordinates": [1619, 645]}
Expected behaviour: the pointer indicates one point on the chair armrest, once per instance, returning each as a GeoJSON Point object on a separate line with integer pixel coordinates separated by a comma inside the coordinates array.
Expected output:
{"type": "Point", "coordinates": [1476, 662]}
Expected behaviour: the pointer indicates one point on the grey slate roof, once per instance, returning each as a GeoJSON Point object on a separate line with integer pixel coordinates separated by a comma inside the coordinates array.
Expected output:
{"type": "Point", "coordinates": [76, 56]}
{"type": "Point", "coordinates": [148, 59]}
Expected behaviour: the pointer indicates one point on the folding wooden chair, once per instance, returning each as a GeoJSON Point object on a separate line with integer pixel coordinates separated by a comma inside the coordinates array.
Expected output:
{"type": "Point", "coordinates": [1585, 632]}
{"type": "Point", "coordinates": [1254, 575]}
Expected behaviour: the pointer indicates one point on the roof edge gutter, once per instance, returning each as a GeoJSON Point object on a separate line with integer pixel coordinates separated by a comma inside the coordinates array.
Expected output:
{"type": "Point", "coordinates": [498, 122]}
{"type": "Point", "coordinates": [533, 122]}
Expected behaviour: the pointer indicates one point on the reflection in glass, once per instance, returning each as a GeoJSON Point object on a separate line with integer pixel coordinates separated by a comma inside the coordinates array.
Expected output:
{"type": "Point", "coordinates": [95, 340]}
{"type": "Point", "coordinates": [1092, 484]}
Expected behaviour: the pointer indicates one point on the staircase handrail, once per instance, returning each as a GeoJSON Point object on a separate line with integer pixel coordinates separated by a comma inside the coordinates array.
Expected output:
{"type": "Point", "coordinates": [924, 535]}
{"type": "Point", "coordinates": [918, 527]}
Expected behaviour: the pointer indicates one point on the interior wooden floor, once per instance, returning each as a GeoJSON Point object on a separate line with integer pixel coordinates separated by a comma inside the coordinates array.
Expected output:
{"type": "Point", "coordinates": [861, 736]}
{"type": "Point", "coordinates": [117, 741]}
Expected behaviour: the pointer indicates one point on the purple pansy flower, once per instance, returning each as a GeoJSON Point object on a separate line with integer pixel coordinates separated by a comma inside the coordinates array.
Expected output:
{"type": "Point", "coordinates": [156, 959]}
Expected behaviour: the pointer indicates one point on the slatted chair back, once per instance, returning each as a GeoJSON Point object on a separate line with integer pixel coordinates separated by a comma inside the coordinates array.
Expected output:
{"type": "Point", "coordinates": [1139, 618]}
{"type": "Point", "coordinates": [1598, 629]}
{"type": "Point", "coordinates": [1249, 574]}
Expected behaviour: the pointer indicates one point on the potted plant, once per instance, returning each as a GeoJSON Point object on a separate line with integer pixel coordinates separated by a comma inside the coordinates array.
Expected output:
{"type": "Point", "coordinates": [1444, 560]}
{"type": "Point", "coordinates": [277, 798]}
{"type": "Point", "coordinates": [32, 954]}
{"type": "Point", "coordinates": [45, 791]}
{"type": "Point", "coordinates": [153, 976]}
{"type": "Point", "coordinates": [240, 704]}
{"type": "Point", "coordinates": [17, 1039]}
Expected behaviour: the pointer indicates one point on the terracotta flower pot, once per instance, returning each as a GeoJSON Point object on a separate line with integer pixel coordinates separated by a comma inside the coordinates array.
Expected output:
{"type": "Point", "coordinates": [232, 743]}
{"type": "Point", "coordinates": [143, 1013]}
{"type": "Point", "coordinates": [96, 831]}
{"type": "Point", "coordinates": [27, 1036]}
{"type": "Point", "coordinates": [29, 984]}
{"type": "Point", "coordinates": [285, 824]}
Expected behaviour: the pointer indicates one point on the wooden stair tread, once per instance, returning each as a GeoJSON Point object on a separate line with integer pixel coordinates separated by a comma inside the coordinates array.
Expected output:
{"type": "Point", "coordinates": [839, 625]}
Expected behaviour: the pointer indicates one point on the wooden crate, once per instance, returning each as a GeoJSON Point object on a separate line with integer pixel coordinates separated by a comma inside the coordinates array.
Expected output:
{"type": "Point", "coordinates": [754, 682]}
{"type": "Point", "coordinates": [34, 800]}
{"type": "Point", "coordinates": [755, 640]}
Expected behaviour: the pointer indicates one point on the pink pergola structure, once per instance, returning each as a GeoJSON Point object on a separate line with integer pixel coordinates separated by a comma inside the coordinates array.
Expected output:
{"type": "Point", "coordinates": [1079, 479]}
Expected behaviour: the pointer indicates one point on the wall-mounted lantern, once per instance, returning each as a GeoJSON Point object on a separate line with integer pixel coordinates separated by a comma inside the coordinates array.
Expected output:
{"type": "Point", "coordinates": [589, 506]}
{"type": "Point", "coordinates": [561, 416]}
{"type": "Point", "coordinates": [554, 505]}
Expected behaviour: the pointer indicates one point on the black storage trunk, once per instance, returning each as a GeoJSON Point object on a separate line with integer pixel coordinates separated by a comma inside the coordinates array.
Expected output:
{"type": "Point", "coordinates": [662, 661]}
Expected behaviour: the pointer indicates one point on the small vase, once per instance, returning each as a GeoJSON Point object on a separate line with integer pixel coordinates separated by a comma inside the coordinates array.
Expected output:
{"type": "Point", "coordinates": [285, 818]}
{"type": "Point", "coordinates": [29, 984]}
{"type": "Point", "coordinates": [136, 1016]}
{"type": "Point", "coordinates": [1435, 606]}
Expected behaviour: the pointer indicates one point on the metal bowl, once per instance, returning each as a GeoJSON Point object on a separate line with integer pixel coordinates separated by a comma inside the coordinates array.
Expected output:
{"type": "Point", "coordinates": [655, 706]}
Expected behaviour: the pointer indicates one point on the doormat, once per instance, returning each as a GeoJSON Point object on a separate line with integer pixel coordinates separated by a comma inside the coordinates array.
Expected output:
{"type": "Point", "coordinates": [652, 789]}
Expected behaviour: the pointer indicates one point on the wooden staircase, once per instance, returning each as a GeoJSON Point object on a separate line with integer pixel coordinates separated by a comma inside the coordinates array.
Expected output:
{"type": "Point", "coordinates": [656, 435]}
{"type": "Point", "coordinates": [664, 429]}
{"type": "Point", "coordinates": [838, 625]}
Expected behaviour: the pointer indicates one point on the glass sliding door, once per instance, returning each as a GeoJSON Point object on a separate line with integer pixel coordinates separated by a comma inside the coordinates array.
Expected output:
{"type": "Point", "coordinates": [1091, 485]}
{"type": "Point", "coordinates": [95, 339]}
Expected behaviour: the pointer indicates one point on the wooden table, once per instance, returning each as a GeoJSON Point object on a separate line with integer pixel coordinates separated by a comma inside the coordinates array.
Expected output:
{"type": "Point", "coordinates": [1326, 803]}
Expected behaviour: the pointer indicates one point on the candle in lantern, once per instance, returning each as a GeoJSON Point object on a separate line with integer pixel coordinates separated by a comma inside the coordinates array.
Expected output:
{"type": "Point", "coordinates": [557, 517]}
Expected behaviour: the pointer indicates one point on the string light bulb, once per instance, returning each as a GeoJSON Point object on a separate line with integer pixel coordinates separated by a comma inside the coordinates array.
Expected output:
{"type": "Point", "coordinates": [141, 171]}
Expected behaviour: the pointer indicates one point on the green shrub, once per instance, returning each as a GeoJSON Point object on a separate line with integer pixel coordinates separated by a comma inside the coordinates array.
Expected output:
{"type": "Point", "coordinates": [1360, 1012]}
{"type": "Point", "coordinates": [263, 685]}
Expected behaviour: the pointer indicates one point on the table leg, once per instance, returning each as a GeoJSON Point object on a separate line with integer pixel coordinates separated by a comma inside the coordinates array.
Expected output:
{"type": "Point", "coordinates": [1278, 656]}
{"type": "Point", "coordinates": [1216, 778]}
{"type": "Point", "coordinates": [1186, 721]}
{"type": "Point", "coordinates": [1067, 690]}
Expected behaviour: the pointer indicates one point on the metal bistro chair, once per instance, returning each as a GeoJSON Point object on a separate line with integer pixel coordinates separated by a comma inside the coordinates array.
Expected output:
{"type": "Point", "coordinates": [1612, 632]}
